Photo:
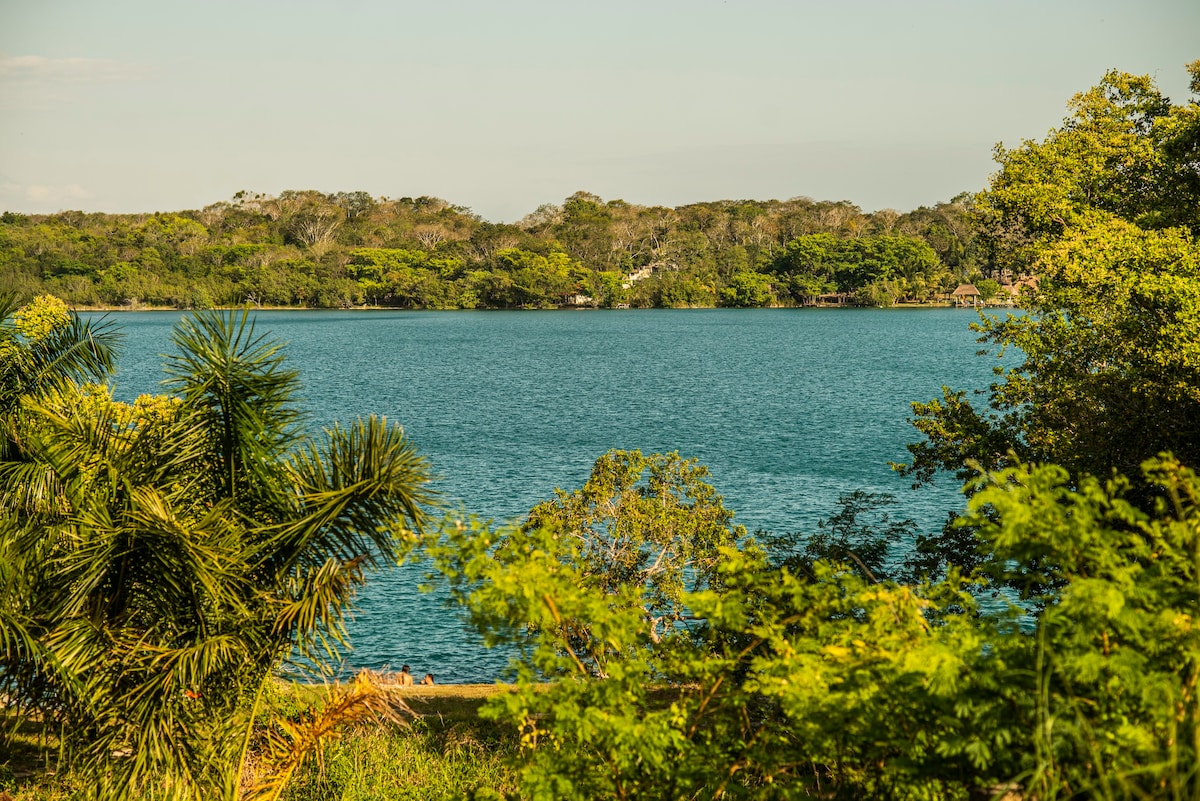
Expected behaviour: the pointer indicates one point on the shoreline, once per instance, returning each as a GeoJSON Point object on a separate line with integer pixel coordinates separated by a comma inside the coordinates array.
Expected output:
{"type": "Point", "coordinates": [898, 306]}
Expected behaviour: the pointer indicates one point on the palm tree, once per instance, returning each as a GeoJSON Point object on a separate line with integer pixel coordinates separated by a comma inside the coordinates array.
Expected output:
{"type": "Point", "coordinates": [205, 540]}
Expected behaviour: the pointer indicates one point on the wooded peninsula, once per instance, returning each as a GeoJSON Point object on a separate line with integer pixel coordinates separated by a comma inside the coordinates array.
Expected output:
{"type": "Point", "coordinates": [348, 249]}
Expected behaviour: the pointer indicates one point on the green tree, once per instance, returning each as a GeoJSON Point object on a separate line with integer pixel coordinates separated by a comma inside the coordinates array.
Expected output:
{"type": "Point", "coordinates": [43, 348]}
{"type": "Point", "coordinates": [605, 288]}
{"type": "Point", "coordinates": [793, 685]}
{"type": "Point", "coordinates": [649, 522]}
{"type": "Point", "coordinates": [748, 289]}
{"type": "Point", "coordinates": [825, 680]}
{"type": "Point", "coordinates": [877, 268]}
{"type": "Point", "coordinates": [536, 280]}
{"type": "Point", "coordinates": [672, 290]}
{"type": "Point", "coordinates": [1110, 370]}
{"type": "Point", "coordinates": [192, 544]}
{"type": "Point", "coordinates": [1120, 152]}
{"type": "Point", "coordinates": [988, 289]}
{"type": "Point", "coordinates": [585, 229]}
{"type": "Point", "coordinates": [1118, 649]}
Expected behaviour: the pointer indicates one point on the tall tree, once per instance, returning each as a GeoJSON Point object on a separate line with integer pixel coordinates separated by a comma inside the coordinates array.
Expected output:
{"type": "Point", "coordinates": [194, 542]}
{"type": "Point", "coordinates": [638, 536]}
{"type": "Point", "coordinates": [1110, 344]}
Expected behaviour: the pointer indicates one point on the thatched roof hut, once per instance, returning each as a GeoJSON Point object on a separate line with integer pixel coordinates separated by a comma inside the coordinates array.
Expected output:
{"type": "Point", "coordinates": [966, 295]}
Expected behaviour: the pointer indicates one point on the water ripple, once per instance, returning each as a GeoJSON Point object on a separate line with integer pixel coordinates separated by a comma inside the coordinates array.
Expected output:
{"type": "Point", "coordinates": [788, 408]}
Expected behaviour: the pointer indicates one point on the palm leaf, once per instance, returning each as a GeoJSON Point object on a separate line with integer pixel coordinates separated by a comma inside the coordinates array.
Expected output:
{"type": "Point", "coordinates": [30, 488]}
{"type": "Point", "coordinates": [78, 352]}
{"type": "Point", "coordinates": [361, 492]}
{"type": "Point", "coordinates": [235, 383]}
{"type": "Point", "coordinates": [312, 617]}
{"type": "Point", "coordinates": [291, 743]}
{"type": "Point", "coordinates": [18, 640]}
{"type": "Point", "coordinates": [188, 552]}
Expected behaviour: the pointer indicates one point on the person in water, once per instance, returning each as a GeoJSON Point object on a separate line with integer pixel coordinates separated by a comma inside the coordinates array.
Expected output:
{"type": "Point", "coordinates": [428, 679]}
{"type": "Point", "coordinates": [404, 678]}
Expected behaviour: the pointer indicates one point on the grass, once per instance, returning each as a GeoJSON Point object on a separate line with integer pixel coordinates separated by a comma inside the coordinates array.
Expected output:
{"type": "Point", "coordinates": [443, 751]}
{"type": "Point", "coordinates": [28, 752]}
{"type": "Point", "coordinates": [424, 762]}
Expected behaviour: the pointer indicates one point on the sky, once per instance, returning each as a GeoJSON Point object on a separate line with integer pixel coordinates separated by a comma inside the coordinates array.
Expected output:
{"type": "Point", "coordinates": [502, 106]}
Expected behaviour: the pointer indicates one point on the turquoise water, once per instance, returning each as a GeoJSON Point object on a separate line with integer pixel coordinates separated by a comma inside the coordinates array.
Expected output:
{"type": "Point", "coordinates": [787, 408]}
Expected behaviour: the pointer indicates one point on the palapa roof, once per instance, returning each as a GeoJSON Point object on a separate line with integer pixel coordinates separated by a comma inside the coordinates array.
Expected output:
{"type": "Point", "coordinates": [965, 289]}
{"type": "Point", "coordinates": [1015, 289]}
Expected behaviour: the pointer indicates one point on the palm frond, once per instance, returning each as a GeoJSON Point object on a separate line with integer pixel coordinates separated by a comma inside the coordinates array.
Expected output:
{"type": "Point", "coordinates": [161, 566]}
{"type": "Point", "coordinates": [291, 743]}
{"type": "Point", "coordinates": [15, 636]}
{"type": "Point", "coordinates": [200, 670]}
{"type": "Point", "coordinates": [362, 492]}
{"type": "Point", "coordinates": [18, 640]}
{"type": "Point", "coordinates": [79, 352]}
{"type": "Point", "coordinates": [30, 488]}
{"type": "Point", "coordinates": [76, 442]}
{"type": "Point", "coordinates": [9, 303]}
{"type": "Point", "coordinates": [317, 603]}
{"type": "Point", "coordinates": [236, 384]}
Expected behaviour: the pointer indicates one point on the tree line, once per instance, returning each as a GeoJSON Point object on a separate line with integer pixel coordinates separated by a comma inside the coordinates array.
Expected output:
{"type": "Point", "coordinates": [348, 249]}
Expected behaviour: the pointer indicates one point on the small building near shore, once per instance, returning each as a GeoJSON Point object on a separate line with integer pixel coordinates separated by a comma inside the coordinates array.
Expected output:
{"type": "Point", "coordinates": [1010, 294]}
{"type": "Point", "coordinates": [966, 295]}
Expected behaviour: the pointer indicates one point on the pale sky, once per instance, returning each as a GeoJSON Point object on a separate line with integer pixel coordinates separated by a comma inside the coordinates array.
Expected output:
{"type": "Point", "coordinates": [501, 106]}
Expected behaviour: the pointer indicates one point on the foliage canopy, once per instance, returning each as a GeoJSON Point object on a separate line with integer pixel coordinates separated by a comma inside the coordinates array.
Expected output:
{"type": "Point", "coordinates": [1104, 213]}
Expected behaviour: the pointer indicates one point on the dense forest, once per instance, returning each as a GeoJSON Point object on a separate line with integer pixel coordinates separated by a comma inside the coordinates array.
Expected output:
{"type": "Point", "coordinates": [348, 249]}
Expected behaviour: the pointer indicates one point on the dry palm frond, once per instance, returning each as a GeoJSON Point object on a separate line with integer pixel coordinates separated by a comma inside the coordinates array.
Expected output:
{"type": "Point", "coordinates": [290, 743]}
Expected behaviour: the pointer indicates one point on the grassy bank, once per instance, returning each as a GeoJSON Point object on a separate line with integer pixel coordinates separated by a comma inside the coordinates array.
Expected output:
{"type": "Point", "coordinates": [443, 750]}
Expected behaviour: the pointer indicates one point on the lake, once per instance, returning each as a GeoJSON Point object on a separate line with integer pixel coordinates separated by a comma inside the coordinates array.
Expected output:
{"type": "Point", "coordinates": [788, 408]}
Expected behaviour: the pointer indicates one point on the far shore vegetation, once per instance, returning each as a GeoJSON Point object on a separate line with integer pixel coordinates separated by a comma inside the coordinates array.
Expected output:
{"type": "Point", "coordinates": [306, 249]}
{"type": "Point", "coordinates": [163, 563]}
